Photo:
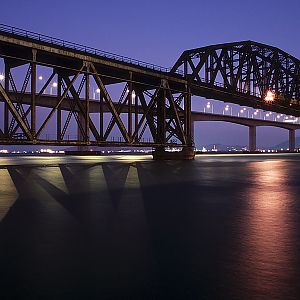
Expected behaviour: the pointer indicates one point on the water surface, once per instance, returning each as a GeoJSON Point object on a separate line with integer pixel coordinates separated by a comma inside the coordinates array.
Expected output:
{"type": "Point", "coordinates": [127, 227]}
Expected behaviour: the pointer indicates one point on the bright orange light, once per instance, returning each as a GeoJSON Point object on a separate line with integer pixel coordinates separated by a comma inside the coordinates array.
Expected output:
{"type": "Point", "coordinates": [270, 96]}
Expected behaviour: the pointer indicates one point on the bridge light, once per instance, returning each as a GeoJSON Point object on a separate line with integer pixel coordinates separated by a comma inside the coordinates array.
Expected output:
{"type": "Point", "coordinates": [40, 77]}
{"type": "Point", "coordinates": [133, 95]}
{"type": "Point", "coordinates": [270, 96]}
{"type": "Point", "coordinates": [54, 84]}
{"type": "Point", "coordinates": [278, 116]}
{"type": "Point", "coordinates": [2, 77]}
{"type": "Point", "coordinates": [98, 91]}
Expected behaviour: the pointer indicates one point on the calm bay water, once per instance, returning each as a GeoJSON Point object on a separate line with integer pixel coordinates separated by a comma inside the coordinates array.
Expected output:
{"type": "Point", "coordinates": [219, 227]}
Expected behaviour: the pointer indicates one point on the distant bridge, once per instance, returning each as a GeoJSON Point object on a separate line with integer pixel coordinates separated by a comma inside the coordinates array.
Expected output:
{"type": "Point", "coordinates": [146, 105]}
{"type": "Point", "coordinates": [252, 124]}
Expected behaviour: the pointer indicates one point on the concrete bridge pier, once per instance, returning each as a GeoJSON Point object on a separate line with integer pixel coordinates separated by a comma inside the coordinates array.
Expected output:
{"type": "Point", "coordinates": [252, 138]}
{"type": "Point", "coordinates": [292, 138]}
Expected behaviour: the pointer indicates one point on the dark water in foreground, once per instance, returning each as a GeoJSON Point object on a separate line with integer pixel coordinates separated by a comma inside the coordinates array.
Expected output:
{"type": "Point", "coordinates": [220, 227]}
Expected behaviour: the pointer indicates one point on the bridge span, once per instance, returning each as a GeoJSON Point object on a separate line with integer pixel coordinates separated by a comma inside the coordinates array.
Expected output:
{"type": "Point", "coordinates": [251, 123]}
{"type": "Point", "coordinates": [145, 104]}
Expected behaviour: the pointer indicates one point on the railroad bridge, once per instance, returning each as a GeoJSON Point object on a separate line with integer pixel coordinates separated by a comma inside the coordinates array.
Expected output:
{"type": "Point", "coordinates": [50, 86]}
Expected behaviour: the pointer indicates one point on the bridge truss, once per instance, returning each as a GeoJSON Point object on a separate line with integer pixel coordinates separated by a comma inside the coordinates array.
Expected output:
{"type": "Point", "coordinates": [243, 73]}
{"type": "Point", "coordinates": [110, 100]}
{"type": "Point", "coordinates": [137, 104]}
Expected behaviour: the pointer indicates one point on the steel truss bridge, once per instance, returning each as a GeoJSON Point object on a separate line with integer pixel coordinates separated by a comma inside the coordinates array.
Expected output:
{"type": "Point", "coordinates": [144, 104]}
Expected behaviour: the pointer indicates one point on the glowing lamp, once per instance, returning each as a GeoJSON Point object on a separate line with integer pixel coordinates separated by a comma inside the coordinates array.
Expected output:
{"type": "Point", "coordinates": [270, 96]}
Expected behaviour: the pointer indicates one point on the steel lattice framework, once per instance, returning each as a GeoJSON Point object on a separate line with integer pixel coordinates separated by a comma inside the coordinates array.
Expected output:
{"type": "Point", "coordinates": [137, 104]}
{"type": "Point", "coordinates": [147, 109]}
{"type": "Point", "coordinates": [245, 71]}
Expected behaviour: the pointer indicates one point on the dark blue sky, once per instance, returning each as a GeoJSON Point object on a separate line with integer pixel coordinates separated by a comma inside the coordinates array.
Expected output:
{"type": "Point", "coordinates": [158, 31]}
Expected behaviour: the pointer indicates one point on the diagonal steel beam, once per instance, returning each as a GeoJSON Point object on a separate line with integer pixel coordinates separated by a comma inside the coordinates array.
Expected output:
{"type": "Point", "coordinates": [121, 103]}
{"type": "Point", "coordinates": [176, 117]}
{"type": "Point", "coordinates": [58, 103]}
{"type": "Point", "coordinates": [110, 103]}
{"type": "Point", "coordinates": [15, 113]}
{"type": "Point", "coordinates": [144, 116]}
{"type": "Point", "coordinates": [82, 110]}
{"type": "Point", "coordinates": [150, 120]}
{"type": "Point", "coordinates": [197, 69]}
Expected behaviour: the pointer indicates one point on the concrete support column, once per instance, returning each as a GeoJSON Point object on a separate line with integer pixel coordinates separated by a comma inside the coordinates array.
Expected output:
{"type": "Point", "coordinates": [252, 138]}
{"type": "Point", "coordinates": [292, 140]}
{"type": "Point", "coordinates": [193, 130]}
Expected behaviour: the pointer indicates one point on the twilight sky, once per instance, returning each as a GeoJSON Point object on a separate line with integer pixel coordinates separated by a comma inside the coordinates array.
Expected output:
{"type": "Point", "coordinates": [158, 31]}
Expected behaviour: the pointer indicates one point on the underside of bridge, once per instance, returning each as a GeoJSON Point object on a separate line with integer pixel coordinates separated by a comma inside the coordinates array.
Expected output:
{"type": "Point", "coordinates": [132, 103]}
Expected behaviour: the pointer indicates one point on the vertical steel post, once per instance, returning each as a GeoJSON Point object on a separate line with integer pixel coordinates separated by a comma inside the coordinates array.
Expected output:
{"type": "Point", "coordinates": [130, 94]}
{"type": "Point", "coordinates": [87, 105]}
{"type": "Point", "coordinates": [6, 87]}
{"type": "Point", "coordinates": [58, 116]}
{"type": "Point", "coordinates": [161, 114]}
{"type": "Point", "coordinates": [187, 108]}
{"type": "Point", "coordinates": [33, 93]}
{"type": "Point", "coordinates": [136, 118]}
{"type": "Point", "coordinates": [101, 129]}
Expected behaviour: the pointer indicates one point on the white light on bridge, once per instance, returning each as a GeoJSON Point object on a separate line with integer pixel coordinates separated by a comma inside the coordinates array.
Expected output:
{"type": "Point", "coordinates": [54, 84]}
{"type": "Point", "coordinates": [40, 77]}
{"type": "Point", "coordinates": [133, 95]}
{"type": "Point", "coordinates": [2, 77]}
{"type": "Point", "coordinates": [98, 91]}
{"type": "Point", "coordinates": [270, 96]}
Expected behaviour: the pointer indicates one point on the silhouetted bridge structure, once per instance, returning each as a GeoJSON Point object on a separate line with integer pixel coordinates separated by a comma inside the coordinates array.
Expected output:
{"type": "Point", "coordinates": [103, 95]}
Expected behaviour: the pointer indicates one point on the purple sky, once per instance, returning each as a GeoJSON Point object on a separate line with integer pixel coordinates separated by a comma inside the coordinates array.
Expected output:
{"type": "Point", "coordinates": [158, 31]}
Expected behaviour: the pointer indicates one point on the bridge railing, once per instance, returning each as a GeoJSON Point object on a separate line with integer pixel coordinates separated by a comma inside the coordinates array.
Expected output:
{"type": "Point", "coordinates": [82, 48]}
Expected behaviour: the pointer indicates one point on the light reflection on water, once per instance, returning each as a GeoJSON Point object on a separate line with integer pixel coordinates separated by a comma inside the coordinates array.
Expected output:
{"type": "Point", "coordinates": [267, 257]}
{"type": "Point", "coordinates": [220, 227]}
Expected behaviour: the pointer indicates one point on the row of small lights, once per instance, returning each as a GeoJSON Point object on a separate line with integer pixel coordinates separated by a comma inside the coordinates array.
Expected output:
{"type": "Point", "coordinates": [54, 84]}
{"type": "Point", "coordinates": [270, 96]}
{"type": "Point", "coordinates": [243, 110]}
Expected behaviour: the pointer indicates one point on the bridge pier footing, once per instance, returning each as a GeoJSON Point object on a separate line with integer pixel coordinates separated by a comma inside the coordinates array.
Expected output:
{"type": "Point", "coordinates": [252, 138]}
{"type": "Point", "coordinates": [187, 153]}
{"type": "Point", "coordinates": [292, 138]}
